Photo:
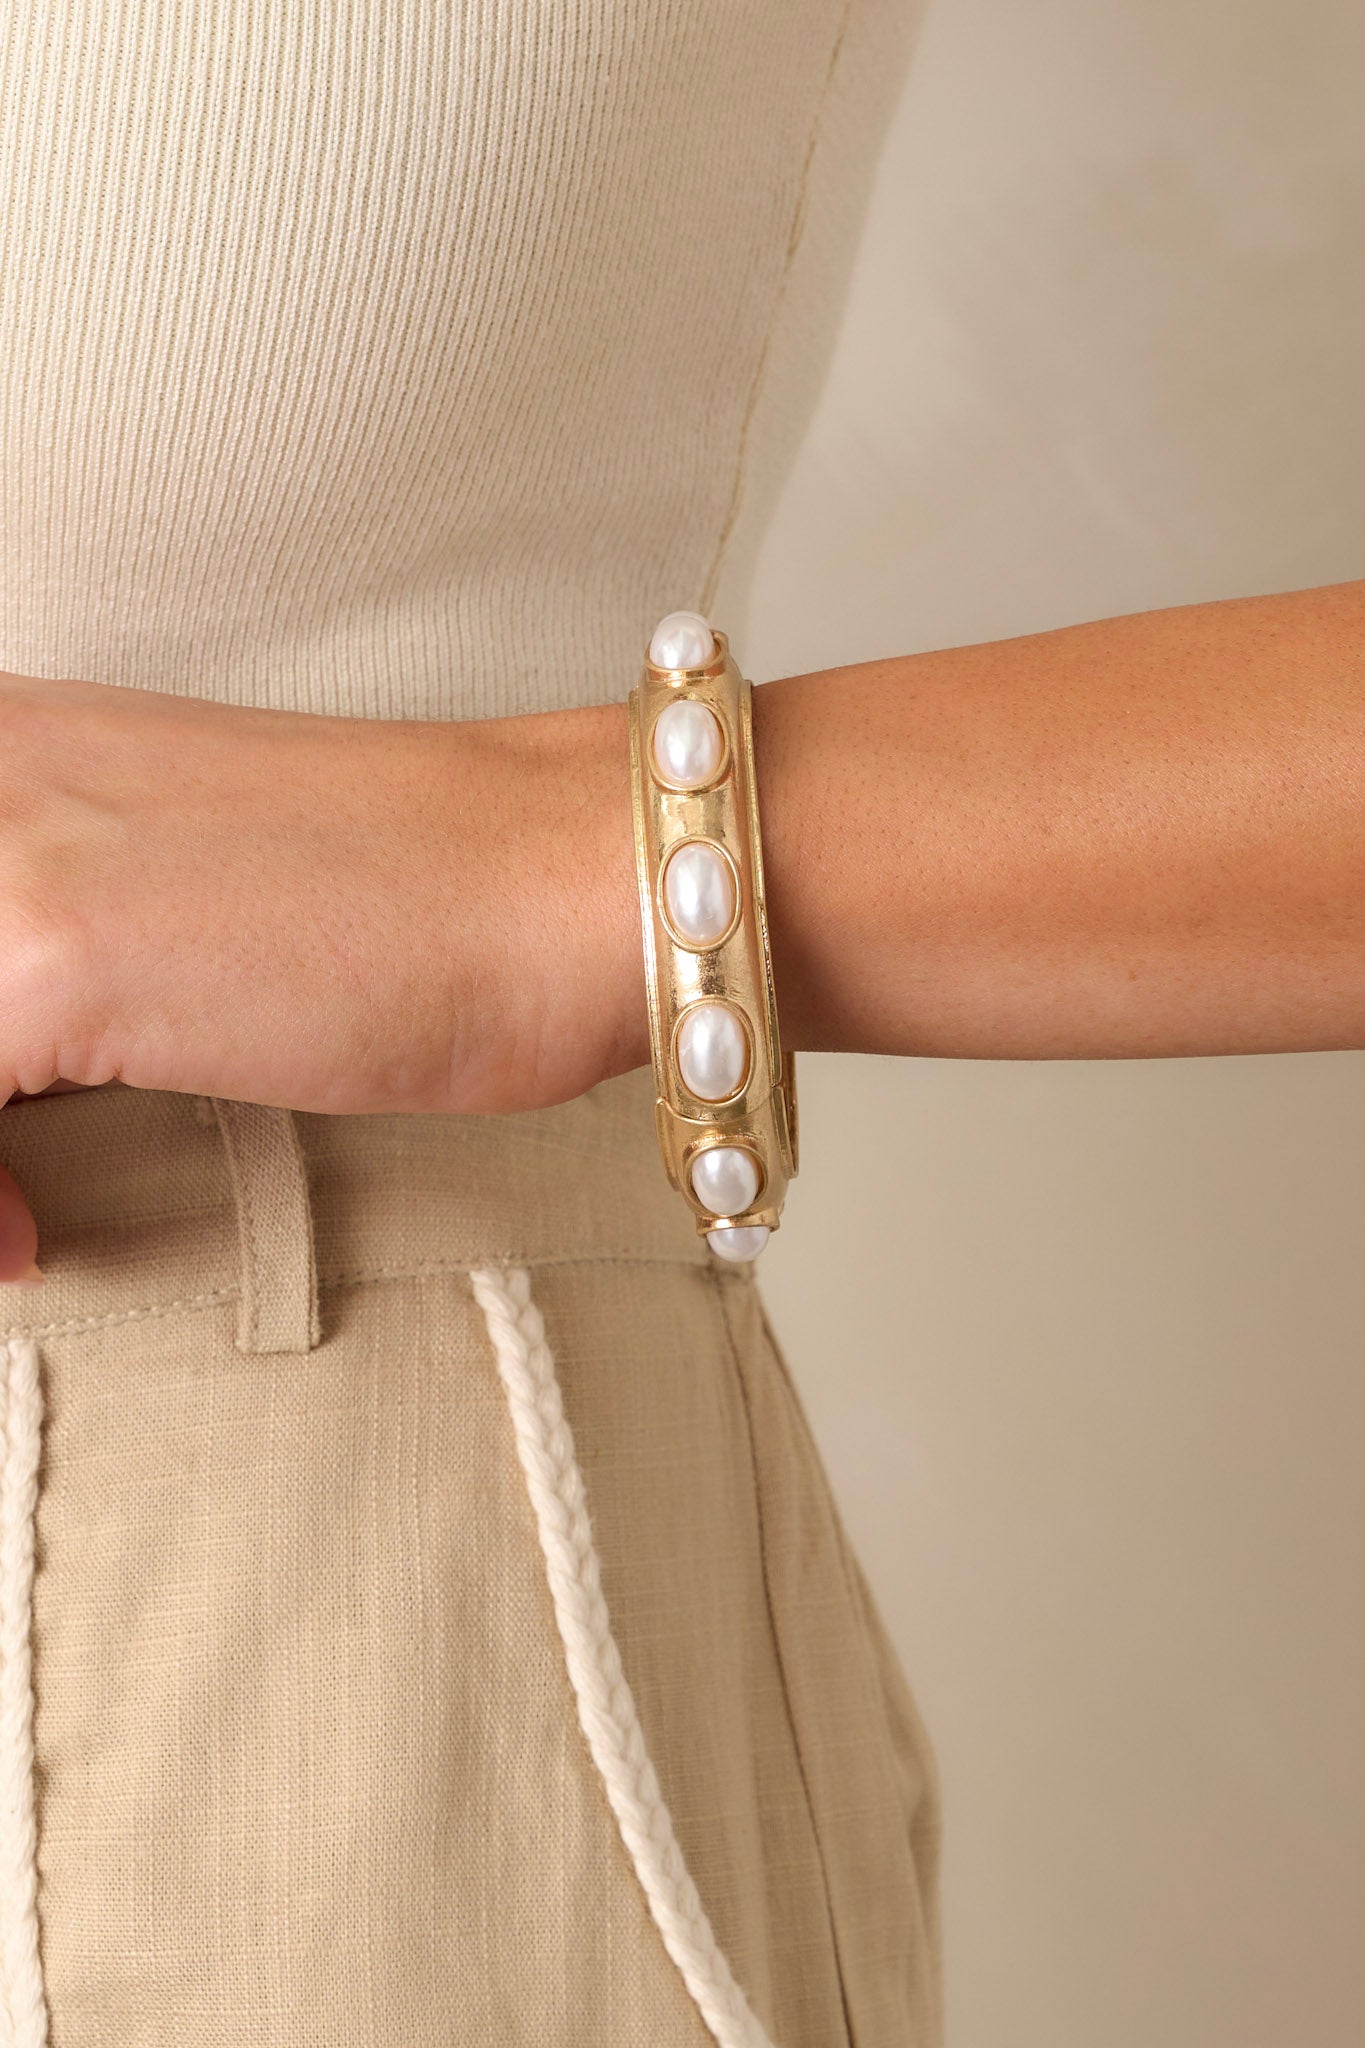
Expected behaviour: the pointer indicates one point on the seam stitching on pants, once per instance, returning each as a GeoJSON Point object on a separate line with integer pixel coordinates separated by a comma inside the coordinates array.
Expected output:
{"type": "Point", "coordinates": [362, 1276]}
{"type": "Point", "coordinates": [74, 1325]}
{"type": "Point", "coordinates": [251, 1278]}
{"type": "Point", "coordinates": [780, 1653]}
{"type": "Point", "coordinates": [238, 1180]}
{"type": "Point", "coordinates": [345, 1276]}
{"type": "Point", "coordinates": [860, 1593]}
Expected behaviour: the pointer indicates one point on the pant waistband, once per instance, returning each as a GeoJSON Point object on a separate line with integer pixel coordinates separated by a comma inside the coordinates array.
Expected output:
{"type": "Point", "coordinates": [148, 1201]}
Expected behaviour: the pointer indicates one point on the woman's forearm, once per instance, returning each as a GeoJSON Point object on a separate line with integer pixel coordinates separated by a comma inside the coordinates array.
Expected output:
{"type": "Point", "coordinates": [1137, 837]}
{"type": "Point", "coordinates": [1143, 835]}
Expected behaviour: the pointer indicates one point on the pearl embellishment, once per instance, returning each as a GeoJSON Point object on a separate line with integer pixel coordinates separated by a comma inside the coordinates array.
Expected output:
{"type": "Point", "coordinates": [725, 1179]}
{"type": "Point", "coordinates": [713, 1051]}
{"type": "Point", "coordinates": [745, 1241]}
{"type": "Point", "coordinates": [682, 640]}
{"type": "Point", "coordinates": [724, 1142]}
{"type": "Point", "coordinates": [699, 892]}
{"type": "Point", "coordinates": [688, 744]}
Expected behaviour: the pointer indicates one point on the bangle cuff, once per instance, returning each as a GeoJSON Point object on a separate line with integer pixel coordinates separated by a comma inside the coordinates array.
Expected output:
{"type": "Point", "coordinates": [725, 1093]}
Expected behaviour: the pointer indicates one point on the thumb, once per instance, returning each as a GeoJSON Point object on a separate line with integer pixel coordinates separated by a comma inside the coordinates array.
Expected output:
{"type": "Point", "coordinates": [18, 1232]}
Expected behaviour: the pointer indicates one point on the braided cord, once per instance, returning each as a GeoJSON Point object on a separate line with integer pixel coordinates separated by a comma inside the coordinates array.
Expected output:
{"type": "Point", "coordinates": [22, 2003]}
{"type": "Point", "coordinates": [606, 1705]}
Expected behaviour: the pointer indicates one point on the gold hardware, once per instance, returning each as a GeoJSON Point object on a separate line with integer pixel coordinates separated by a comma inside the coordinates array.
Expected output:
{"type": "Point", "coordinates": [737, 969]}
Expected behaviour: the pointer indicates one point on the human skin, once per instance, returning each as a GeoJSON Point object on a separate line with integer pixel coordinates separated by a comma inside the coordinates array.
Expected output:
{"type": "Point", "coordinates": [1137, 837]}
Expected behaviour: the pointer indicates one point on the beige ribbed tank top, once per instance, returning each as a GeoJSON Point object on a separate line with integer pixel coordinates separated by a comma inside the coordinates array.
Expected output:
{"type": "Point", "coordinates": [411, 357]}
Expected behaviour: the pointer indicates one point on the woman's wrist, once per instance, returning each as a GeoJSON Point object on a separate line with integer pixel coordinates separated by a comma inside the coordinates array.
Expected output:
{"type": "Point", "coordinates": [839, 932]}
{"type": "Point", "coordinates": [556, 811]}
{"type": "Point", "coordinates": [329, 913]}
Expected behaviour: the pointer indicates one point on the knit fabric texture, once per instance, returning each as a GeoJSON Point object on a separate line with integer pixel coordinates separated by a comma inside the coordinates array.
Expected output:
{"type": "Point", "coordinates": [412, 359]}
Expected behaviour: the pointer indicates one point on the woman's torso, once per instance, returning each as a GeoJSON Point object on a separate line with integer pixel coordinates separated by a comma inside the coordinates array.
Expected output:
{"type": "Point", "coordinates": [410, 360]}
{"type": "Point", "coordinates": [407, 359]}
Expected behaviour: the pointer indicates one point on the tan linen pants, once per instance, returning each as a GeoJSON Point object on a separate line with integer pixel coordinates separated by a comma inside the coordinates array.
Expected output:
{"type": "Point", "coordinates": [424, 1618]}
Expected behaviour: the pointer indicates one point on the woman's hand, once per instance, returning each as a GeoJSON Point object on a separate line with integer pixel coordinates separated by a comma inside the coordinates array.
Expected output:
{"type": "Point", "coordinates": [324, 913]}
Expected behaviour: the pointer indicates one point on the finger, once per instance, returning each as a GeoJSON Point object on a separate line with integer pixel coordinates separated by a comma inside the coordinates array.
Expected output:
{"type": "Point", "coordinates": [18, 1231]}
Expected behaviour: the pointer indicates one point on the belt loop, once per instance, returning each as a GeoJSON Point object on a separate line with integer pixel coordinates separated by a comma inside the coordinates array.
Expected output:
{"type": "Point", "coordinates": [279, 1303]}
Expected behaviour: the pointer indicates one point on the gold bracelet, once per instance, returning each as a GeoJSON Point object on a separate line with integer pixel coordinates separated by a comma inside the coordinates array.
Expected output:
{"type": "Point", "coordinates": [725, 1093]}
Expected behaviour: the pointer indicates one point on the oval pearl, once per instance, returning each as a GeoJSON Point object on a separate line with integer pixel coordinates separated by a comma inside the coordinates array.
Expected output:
{"type": "Point", "coordinates": [713, 1051]}
{"type": "Point", "coordinates": [725, 1179]}
{"type": "Point", "coordinates": [681, 640]}
{"type": "Point", "coordinates": [745, 1241]}
{"type": "Point", "coordinates": [688, 743]}
{"type": "Point", "coordinates": [699, 892]}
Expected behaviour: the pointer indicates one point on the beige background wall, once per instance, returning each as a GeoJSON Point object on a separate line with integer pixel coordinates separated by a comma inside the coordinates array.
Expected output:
{"type": "Point", "coordinates": [1085, 1345]}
